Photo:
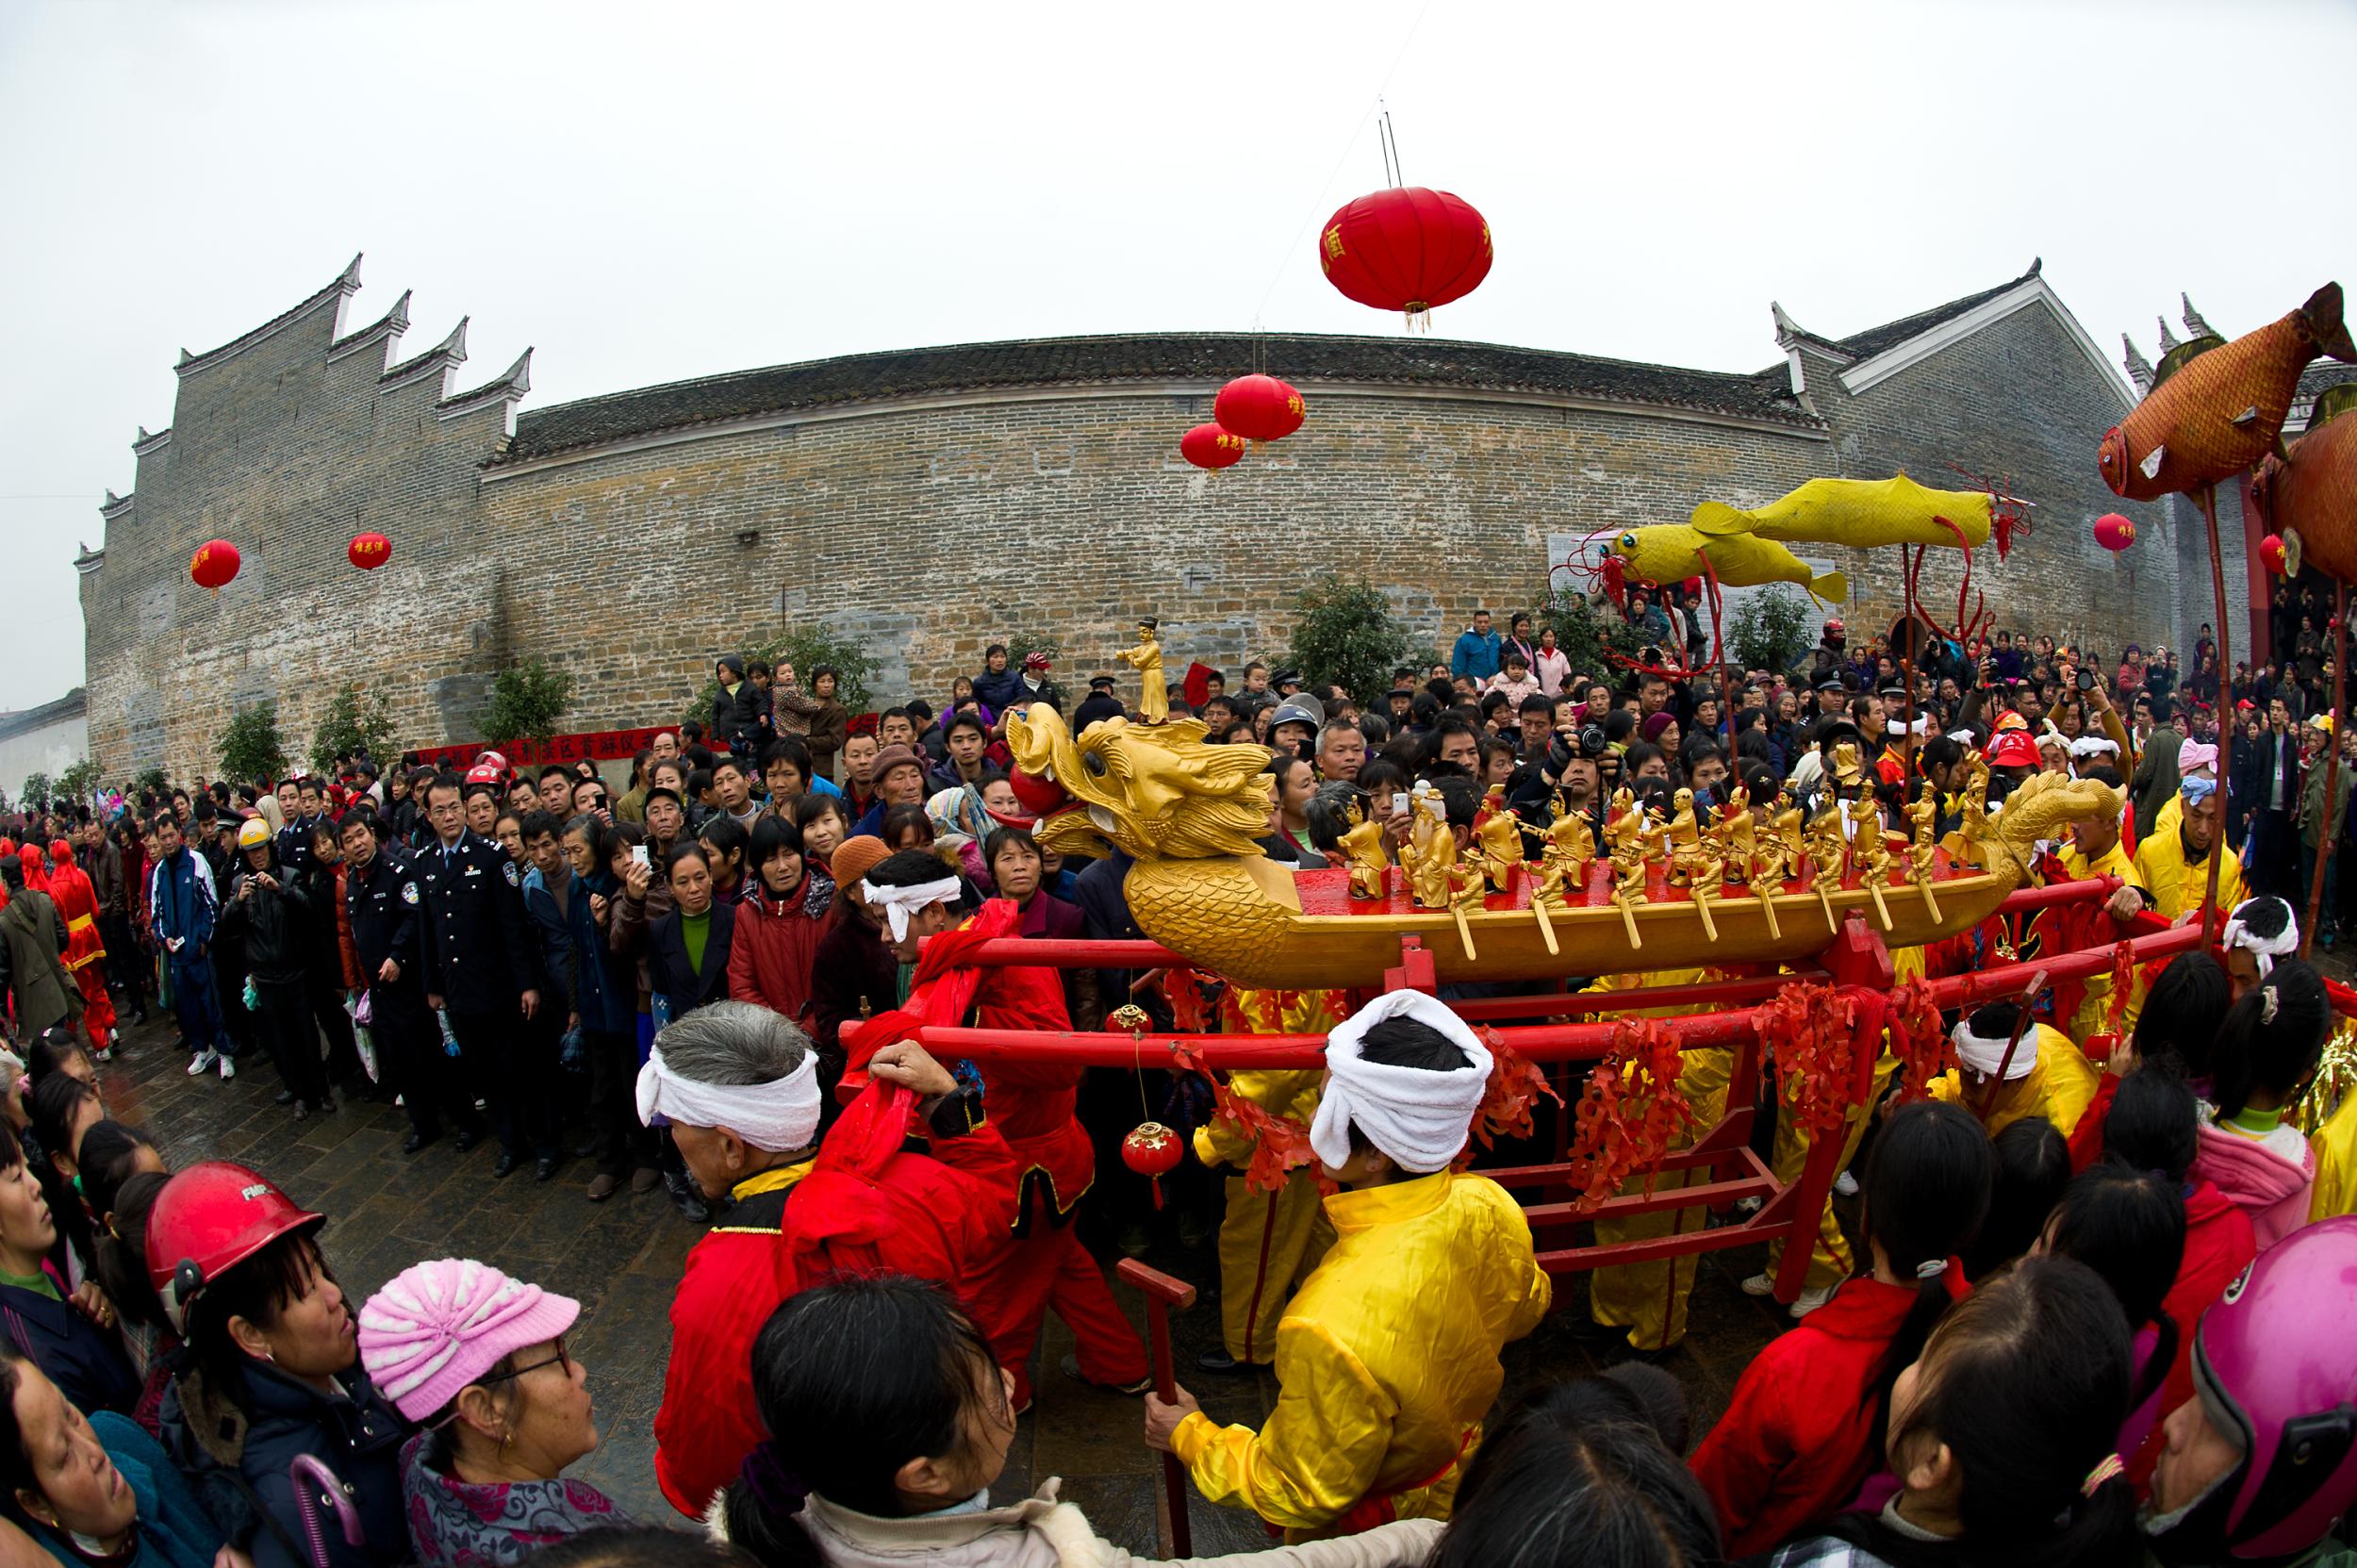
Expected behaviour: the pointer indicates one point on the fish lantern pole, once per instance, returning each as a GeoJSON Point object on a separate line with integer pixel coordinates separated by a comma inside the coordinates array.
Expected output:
{"type": "Point", "coordinates": [2339, 633]}
{"type": "Point", "coordinates": [2207, 497]}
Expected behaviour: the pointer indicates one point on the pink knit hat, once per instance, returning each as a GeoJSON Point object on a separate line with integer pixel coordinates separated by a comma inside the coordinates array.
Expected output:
{"type": "Point", "coordinates": [441, 1325]}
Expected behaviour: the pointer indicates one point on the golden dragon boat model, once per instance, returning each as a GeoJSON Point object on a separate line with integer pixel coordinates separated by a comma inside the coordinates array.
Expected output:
{"type": "Point", "coordinates": [1190, 814]}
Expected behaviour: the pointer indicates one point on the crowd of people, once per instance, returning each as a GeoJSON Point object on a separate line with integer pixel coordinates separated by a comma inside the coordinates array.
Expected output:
{"type": "Point", "coordinates": [2085, 1312]}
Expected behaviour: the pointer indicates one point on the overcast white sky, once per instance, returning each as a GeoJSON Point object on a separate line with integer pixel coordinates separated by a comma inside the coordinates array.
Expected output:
{"type": "Point", "coordinates": [648, 192]}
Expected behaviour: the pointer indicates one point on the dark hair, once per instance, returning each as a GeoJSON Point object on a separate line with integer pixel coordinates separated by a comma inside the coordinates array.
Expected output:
{"type": "Point", "coordinates": [905, 817]}
{"type": "Point", "coordinates": [732, 764]}
{"type": "Point", "coordinates": [965, 719]}
{"type": "Point", "coordinates": [110, 1157]}
{"type": "Point", "coordinates": [532, 824]}
{"type": "Point", "coordinates": [687, 848]}
{"type": "Point", "coordinates": [724, 835]}
{"type": "Point", "coordinates": [2129, 1226]}
{"type": "Point", "coordinates": [1009, 836]}
{"type": "Point", "coordinates": [1405, 1043]}
{"type": "Point", "coordinates": [772, 832]}
{"type": "Point", "coordinates": [814, 806]}
{"type": "Point", "coordinates": [787, 748]}
{"type": "Point", "coordinates": [2154, 1124]}
{"type": "Point", "coordinates": [257, 1289]}
{"type": "Point", "coordinates": [558, 769]}
{"type": "Point", "coordinates": [2025, 1381]}
{"type": "Point", "coordinates": [121, 1265]}
{"type": "Point", "coordinates": [1926, 1194]}
{"type": "Point", "coordinates": [907, 868]}
{"type": "Point", "coordinates": [699, 779]}
{"type": "Point", "coordinates": [2182, 1012]}
{"type": "Point", "coordinates": [2256, 1055]}
{"type": "Point", "coordinates": [2033, 1167]}
{"type": "Point", "coordinates": [853, 1380]}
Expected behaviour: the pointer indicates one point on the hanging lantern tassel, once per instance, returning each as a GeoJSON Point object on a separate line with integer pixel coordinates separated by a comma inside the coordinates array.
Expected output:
{"type": "Point", "coordinates": [1153, 1151]}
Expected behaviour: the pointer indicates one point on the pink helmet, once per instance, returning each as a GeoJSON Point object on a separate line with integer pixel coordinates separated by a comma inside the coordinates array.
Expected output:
{"type": "Point", "coordinates": [2276, 1355]}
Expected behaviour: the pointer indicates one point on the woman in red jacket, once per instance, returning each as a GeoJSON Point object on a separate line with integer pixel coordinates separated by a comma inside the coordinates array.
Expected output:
{"type": "Point", "coordinates": [778, 923]}
{"type": "Point", "coordinates": [1804, 1425]}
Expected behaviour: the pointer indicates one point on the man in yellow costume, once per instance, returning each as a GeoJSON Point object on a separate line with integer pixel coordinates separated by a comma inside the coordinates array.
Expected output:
{"type": "Point", "coordinates": [1387, 1357]}
{"type": "Point", "coordinates": [2095, 850]}
{"type": "Point", "coordinates": [2172, 861]}
{"type": "Point", "coordinates": [2028, 1089]}
{"type": "Point", "coordinates": [1268, 1241]}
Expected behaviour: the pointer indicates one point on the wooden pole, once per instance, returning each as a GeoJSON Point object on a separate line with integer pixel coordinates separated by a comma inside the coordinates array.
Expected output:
{"type": "Point", "coordinates": [2328, 831]}
{"type": "Point", "coordinates": [1162, 1293]}
{"type": "Point", "coordinates": [2211, 919]}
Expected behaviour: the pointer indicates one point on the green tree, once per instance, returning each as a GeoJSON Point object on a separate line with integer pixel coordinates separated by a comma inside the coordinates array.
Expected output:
{"type": "Point", "coordinates": [152, 778]}
{"type": "Point", "coordinates": [807, 649]}
{"type": "Point", "coordinates": [527, 699]}
{"type": "Point", "coordinates": [38, 788]}
{"type": "Point", "coordinates": [79, 783]}
{"type": "Point", "coordinates": [251, 748]}
{"type": "Point", "coordinates": [1770, 629]}
{"type": "Point", "coordinates": [354, 721]}
{"type": "Point", "coordinates": [1345, 635]}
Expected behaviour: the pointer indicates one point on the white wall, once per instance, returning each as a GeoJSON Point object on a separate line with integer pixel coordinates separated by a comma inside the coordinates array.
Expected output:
{"type": "Point", "coordinates": [51, 748]}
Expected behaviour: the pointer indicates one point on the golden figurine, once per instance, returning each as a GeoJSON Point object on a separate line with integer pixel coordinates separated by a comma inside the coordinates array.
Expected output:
{"type": "Point", "coordinates": [1973, 831]}
{"type": "Point", "coordinates": [1706, 872]}
{"type": "Point", "coordinates": [1628, 837]}
{"type": "Point", "coordinates": [1431, 848]}
{"type": "Point", "coordinates": [1683, 837]}
{"type": "Point", "coordinates": [1147, 657]}
{"type": "Point", "coordinates": [1467, 892]}
{"type": "Point", "coordinates": [1563, 858]}
{"type": "Point", "coordinates": [1362, 845]}
{"type": "Point", "coordinates": [1924, 815]}
{"type": "Point", "coordinates": [1869, 851]}
{"type": "Point", "coordinates": [1824, 844]}
{"type": "Point", "coordinates": [1777, 856]}
{"type": "Point", "coordinates": [1498, 839]}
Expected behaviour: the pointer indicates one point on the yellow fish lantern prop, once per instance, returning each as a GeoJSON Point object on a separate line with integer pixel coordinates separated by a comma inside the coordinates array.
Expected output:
{"type": "Point", "coordinates": [1673, 551]}
{"type": "Point", "coordinates": [2215, 411]}
{"type": "Point", "coordinates": [1866, 514]}
{"type": "Point", "coordinates": [2309, 495]}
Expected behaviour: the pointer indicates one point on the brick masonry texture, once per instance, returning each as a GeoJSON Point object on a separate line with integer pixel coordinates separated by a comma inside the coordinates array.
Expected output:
{"type": "Point", "coordinates": [931, 525]}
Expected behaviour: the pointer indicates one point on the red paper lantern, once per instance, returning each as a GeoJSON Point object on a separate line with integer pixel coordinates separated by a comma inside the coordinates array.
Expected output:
{"type": "Point", "coordinates": [2271, 554]}
{"type": "Point", "coordinates": [1208, 446]}
{"type": "Point", "coordinates": [1406, 250]}
{"type": "Point", "coordinates": [214, 564]}
{"type": "Point", "coordinates": [2114, 531]}
{"type": "Point", "coordinates": [1153, 1151]}
{"type": "Point", "coordinates": [1259, 408]}
{"type": "Point", "coordinates": [370, 551]}
{"type": "Point", "coordinates": [1039, 796]}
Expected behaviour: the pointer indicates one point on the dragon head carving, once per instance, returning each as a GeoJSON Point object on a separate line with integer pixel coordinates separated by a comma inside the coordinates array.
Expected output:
{"type": "Point", "coordinates": [2040, 809]}
{"type": "Point", "coordinates": [1159, 791]}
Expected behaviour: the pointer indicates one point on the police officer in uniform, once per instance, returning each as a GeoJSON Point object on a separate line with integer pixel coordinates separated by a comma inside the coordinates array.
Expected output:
{"type": "Point", "coordinates": [293, 840]}
{"type": "Point", "coordinates": [381, 894]}
{"type": "Point", "coordinates": [480, 965]}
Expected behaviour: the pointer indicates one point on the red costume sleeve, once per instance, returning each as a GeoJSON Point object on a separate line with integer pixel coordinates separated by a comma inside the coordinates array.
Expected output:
{"type": "Point", "coordinates": [707, 1423]}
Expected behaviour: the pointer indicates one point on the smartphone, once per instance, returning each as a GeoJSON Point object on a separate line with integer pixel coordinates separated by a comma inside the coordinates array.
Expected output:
{"type": "Point", "coordinates": [638, 855]}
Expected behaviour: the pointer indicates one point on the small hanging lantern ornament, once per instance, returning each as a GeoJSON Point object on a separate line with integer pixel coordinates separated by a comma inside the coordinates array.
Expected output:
{"type": "Point", "coordinates": [2272, 554]}
{"type": "Point", "coordinates": [214, 564]}
{"type": "Point", "coordinates": [2114, 531]}
{"type": "Point", "coordinates": [1406, 249]}
{"type": "Point", "coordinates": [1153, 1151]}
{"type": "Point", "coordinates": [370, 551]}
{"type": "Point", "coordinates": [1259, 408]}
{"type": "Point", "coordinates": [1209, 446]}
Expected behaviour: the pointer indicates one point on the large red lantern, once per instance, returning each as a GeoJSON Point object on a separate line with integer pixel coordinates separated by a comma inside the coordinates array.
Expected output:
{"type": "Point", "coordinates": [214, 564]}
{"type": "Point", "coordinates": [1406, 249]}
{"type": "Point", "coordinates": [2114, 531]}
{"type": "Point", "coordinates": [1208, 446]}
{"type": "Point", "coordinates": [370, 551]}
{"type": "Point", "coordinates": [1259, 408]}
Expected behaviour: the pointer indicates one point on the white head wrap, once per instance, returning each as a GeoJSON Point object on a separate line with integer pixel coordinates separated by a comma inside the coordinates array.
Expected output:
{"type": "Point", "coordinates": [2094, 746]}
{"type": "Point", "coordinates": [1985, 1053]}
{"type": "Point", "coordinates": [1419, 1119]}
{"type": "Point", "coordinates": [1922, 726]}
{"type": "Point", "coordinates": [898, 903]}
{"type": "Point", "coordinates": [1962, 737]}
{"type": "Point", "coordinates": [2266, 949]}
{"type": "Point", "coordinates": [781, 1115]}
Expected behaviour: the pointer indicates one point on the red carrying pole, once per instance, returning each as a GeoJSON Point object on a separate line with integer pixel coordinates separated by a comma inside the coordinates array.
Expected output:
{"type": "Point", "coordinates": [1162, 1293]}
{"type": "Point", "coordinates": [2210, 913]}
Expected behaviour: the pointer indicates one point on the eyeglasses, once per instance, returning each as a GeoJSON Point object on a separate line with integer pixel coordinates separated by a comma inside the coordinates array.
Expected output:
{"type": "Point", "coordinates": [561, 1359]}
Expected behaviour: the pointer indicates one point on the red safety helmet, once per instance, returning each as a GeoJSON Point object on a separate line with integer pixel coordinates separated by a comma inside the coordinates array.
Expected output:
{"type": "Point", "coordinates": [483, 772]}
{"type": "Point", "coordinates": [2013, 749]}
{"type": "Point", "coordinates": [1834, 627]}
{"type": "Point", "coordinates": [492, 760]}
{"type": "Point", "coordinates": [209, 1219]}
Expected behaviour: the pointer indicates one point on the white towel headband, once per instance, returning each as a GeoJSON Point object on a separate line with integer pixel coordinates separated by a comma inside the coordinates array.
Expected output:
{"type": "Point", "coordinates": [781, 1115]}
{"type": "Point", "coordinates": [1419, 1119]}
{"type": "Point", "coordinates": [898, 903]}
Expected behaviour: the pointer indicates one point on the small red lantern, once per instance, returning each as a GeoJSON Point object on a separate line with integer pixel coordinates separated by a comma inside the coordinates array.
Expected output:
{"type": "Point", "coordinates": [1208, 446]}
{"type": "Point", "coordinates": [1259, 408]}
{"type": "Point", "coordinates": [1153, 1151]}
{"type": "Point", "coordinates": [2114, 531]}
{"type": "Point", "coordinates": [370, 551]}
{"type": "Point", "coordinates": [1039, 796]}
{"type": "Point", "coordinates": [2271, 554]}
{"type": "Point", "coordinates": [1406, 249]}
{"type": "Point", "coordinates": [214, 564]}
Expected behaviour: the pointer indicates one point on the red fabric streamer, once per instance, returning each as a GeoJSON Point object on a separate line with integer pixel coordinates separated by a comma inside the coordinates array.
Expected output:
{"type": "Point", "coordinates": [1809, 1034]}
{"type": "Point", "coordinates": [1919, 1039]}
{"type": "Point", "coordinates": [1632, 1112]}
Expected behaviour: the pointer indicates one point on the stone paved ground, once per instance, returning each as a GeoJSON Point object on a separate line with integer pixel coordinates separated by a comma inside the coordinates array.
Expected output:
{"type": "Point", "coordinates": [623, 1258]}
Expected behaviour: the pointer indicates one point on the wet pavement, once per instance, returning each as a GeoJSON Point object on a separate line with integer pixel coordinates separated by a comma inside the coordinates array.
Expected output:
{"type": "Point", "coordinates": [623, 1258]}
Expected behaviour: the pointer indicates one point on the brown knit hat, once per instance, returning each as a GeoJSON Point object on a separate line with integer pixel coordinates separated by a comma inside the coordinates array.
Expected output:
{"type": "Point", "coordinates": [858, 855]}
{"type": "Point", "coordinates": [892, 757]}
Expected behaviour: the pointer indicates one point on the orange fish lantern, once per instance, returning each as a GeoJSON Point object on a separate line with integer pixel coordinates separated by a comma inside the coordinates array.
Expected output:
{"type": "Point", "coordinates": [1208, 446]}
{"type": "Point", "coordinates": [2310, 497]}
{"type": "Point", "coordinates": [2215, 411]}
{"type": "Point", "coordinates": [1259, 408]}
{"type": "Point", "coordinates": [2114, 531]}
{"type": "Point", "coordinates": [370, 551]}
{"type": "Point", "coordinates": [2271, 554]}
{"type": "Point", "coordinates": [214, 564]}
{"type": "Point", "coordinates": [1406, 249]}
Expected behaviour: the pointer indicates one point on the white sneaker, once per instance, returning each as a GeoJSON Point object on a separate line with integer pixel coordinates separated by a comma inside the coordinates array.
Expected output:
{"type": "Point", "coordinates": [1809, 1301]}
{"type": "Point", "coordinates": [203, 1060]}
{"type": "Point", "coordinates": [229, 1067]}
{"type": "Point", "coordinates": [1845, 1184]}
{"type": "Point", "coordinates": [1759, 1284]}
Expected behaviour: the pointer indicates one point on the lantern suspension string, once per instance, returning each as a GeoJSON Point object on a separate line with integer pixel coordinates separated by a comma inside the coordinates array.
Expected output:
{"type": "Point", "coordinates": [1393, 169]}
{"type": "Point", "coordinates": [1310, 221]}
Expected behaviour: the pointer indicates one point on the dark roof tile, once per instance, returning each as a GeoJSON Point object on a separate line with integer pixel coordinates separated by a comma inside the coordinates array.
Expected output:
{"type": "Point", "coordinates": [1874, 340]}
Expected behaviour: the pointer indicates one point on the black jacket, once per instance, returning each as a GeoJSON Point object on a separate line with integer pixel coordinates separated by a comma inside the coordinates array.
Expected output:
{"type": "Point", "coordinates": [86, 1363]}
{"type": "Point", "coordinates": [383, 906]}
{"type": "Point", "coordinates": [274, 925]}
{"type": "Point", "coordinates": [737, 721]}
{"type": "Point", "coordinates": [477, 949]}
{"type": "Point", "coordinates": [668, 972]}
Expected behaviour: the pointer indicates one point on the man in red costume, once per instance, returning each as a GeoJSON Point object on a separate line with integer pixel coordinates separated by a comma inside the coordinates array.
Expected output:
{"type": "Point", "coordinates": [1032, 1103]}
{"type": "Point", "coordinates": [69, 889]}
{"type": "Point", "coordinates": [739, 1086]}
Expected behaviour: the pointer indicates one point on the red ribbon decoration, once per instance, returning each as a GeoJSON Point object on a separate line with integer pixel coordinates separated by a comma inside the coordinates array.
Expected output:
{"type": "Point", "coordinates": [1918, 1040]}
{"type": "Point", "coordinates": [1808, 1032]}
{"type": "Point", "coordinates": [1632, 1112]}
